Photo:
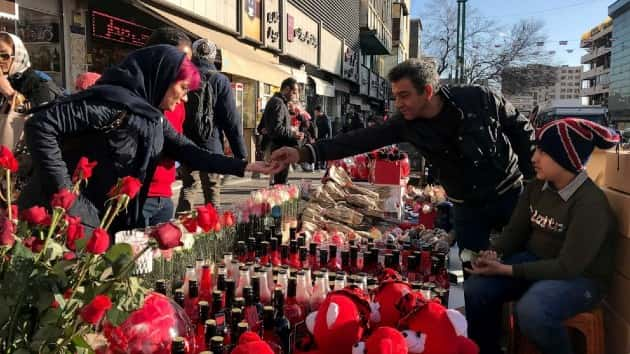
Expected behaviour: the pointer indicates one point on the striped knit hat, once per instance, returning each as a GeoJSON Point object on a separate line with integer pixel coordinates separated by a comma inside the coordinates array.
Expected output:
{"type": "Point", "coordinates": [570, 141]}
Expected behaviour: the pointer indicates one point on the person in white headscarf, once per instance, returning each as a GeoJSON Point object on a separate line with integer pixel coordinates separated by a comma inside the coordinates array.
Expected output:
{"type": "Point", "coordinates": [18, 77]}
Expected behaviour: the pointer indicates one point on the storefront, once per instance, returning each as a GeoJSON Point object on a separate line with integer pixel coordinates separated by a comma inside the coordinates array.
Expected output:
{"type": "Point", "coordinates": [38, 24]}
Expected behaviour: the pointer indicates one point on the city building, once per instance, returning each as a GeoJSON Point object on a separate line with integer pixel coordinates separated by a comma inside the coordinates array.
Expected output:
{"type": "Point", "coordinates": [562, 88]}
{"type": "Point", "coordinates": [596, 76]}
{"type": "Point", "coordinates": [619, 96]}
{"type": "Point", "coordinates": [415, 38]}
{"type": "Point", "coordinates": [400, 42]}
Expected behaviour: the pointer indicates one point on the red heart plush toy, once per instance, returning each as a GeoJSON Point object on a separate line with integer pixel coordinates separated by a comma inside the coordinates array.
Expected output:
{"type": "Point", "coordinates": [386, 296]}
{"type": "Point", "coordinates": [384, 340]}
{"type": "Point", "coordinates": [249, 343]}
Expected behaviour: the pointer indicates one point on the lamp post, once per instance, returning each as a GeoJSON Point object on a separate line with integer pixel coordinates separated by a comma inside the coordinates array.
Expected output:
{"type": "Point", "coordinates": [461, 34]}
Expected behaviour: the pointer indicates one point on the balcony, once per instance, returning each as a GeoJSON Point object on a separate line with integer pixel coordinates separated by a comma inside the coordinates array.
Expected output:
{"type": "Point", "coordinates": [600, 70]}
{"type": "Point", "coordinates": [595, 90]}
{"type": "Point", "coordinates": [375, 35]}
{"type": "Point", "coordinates": [586, 58]}
{"type": "Point", "coordinates": [405, 5]}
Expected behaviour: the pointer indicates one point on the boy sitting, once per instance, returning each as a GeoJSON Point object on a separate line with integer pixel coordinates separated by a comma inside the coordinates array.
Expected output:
{"type": "Point", "coordinates": [556, 253]}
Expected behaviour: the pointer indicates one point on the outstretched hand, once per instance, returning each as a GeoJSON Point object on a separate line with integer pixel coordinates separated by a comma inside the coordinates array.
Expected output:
{"type": "Point", "coordinates": [286, 156]}
{"type": "Point", "coordinates": [266, 168]}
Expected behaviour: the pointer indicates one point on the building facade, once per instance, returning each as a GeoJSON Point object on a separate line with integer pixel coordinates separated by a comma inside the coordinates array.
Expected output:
{"type": "Point", "coordinates": [563, 90]}
{"type": "Point", "coordinates": [415, 38]}
{"type": "Point", "coordinates": [619, 97]}
{"type": "Point", "coordinates": [596, 76]}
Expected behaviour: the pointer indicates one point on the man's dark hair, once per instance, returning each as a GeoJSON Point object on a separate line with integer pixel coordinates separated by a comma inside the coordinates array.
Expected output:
{"type": "Point", "coordinates": [288, 82]}
{"type": "Point", "coordinates": [168, 35]}
{"type": "Point", "coordinates": [420, 72]}
{"type": "Point", "coordinates": [318, 108]}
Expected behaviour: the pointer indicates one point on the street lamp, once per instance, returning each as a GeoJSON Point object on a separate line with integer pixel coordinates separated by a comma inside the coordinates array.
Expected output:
{"type": "Point", "coordinates": [461, 34]}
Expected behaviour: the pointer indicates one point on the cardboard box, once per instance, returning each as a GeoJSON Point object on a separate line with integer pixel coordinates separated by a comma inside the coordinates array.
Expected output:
{"type": "Point", "coordinates": [620, 204]}
{"type": "Point", "coordinates": [617, 332]}
{"type": "Point", "coordinates": [596, 166]}
{"type": "Point", "coordinates": [617, 173]}
{"type": "Point", "coordinates": [385, 172]}
{"type": "Point", "coordinates": [622, 256]}
{"type": "Point", "coordinates": [617, 297]}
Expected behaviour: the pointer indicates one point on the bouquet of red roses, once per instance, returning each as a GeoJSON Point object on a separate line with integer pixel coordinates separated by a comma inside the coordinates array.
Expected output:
{"type": "Point", "coordinates": [58, 282]}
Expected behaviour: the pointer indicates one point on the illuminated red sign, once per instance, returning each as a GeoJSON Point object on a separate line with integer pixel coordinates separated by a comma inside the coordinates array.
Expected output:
{"type": "Point", "coordinates": [116, 29]}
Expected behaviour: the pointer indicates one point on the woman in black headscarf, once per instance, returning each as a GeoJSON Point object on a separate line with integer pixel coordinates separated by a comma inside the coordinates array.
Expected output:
{"type": "Point", "coordinates": [120, 124]}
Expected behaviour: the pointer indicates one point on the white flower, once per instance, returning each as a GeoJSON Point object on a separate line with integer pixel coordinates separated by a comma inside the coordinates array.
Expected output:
{"type": "Point", "coordinates": [188, 240]}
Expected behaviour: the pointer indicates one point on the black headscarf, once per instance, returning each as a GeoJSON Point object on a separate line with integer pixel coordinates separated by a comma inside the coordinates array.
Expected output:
{"type": "Point", "coordinates": [141, 80]}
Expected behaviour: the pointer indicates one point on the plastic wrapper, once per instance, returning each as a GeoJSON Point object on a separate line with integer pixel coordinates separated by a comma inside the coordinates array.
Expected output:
{"type": "Point", "coordinates": [361, 201]}
{"type": "Point", "coordinates": [344, 215]}
{"type": "Point", "coordinates": [334, 191]}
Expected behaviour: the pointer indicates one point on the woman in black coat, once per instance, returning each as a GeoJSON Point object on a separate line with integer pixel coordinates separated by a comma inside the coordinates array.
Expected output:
{"type": "Point", "coordinates": [17, 75]}
{"type": "Point", "coordinates": [119, 123]}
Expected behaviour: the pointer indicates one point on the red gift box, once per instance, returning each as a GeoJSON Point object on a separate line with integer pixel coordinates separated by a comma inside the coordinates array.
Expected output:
{"type": "Point", "coordinates": [385, 172]}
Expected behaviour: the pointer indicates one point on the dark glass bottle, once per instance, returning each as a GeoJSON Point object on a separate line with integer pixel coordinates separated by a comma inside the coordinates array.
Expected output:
{"type": "Point", "coordinates": [282, 324]}
{"type": "Point", "coordinates": [323, 259]}
{"type": "Point", "coordinates": [292, 310]}
{"type": "Point", "coordinates": [179, 298]}
{"type": "Point", "coordinates": [216, 345]}
{"type": "Point", "coordinates": [354, 260]}
{"type": "Point", "coordinates": [333, 262]}
{"type": "Point", "coordinates": [269, 330]}
{"type": "Point", "coordinates": [220, 282]}
{"type": "Point", "coordinates": [251, 312]}
{"type": "Point", "coordinates": [345, 261]}
{"type": "Point", "coordinates": [210, 331]}
{"type": "Point", "coordinates": [230, 293]}
{"type": "Point", "coordinates": [251, 249]}
{"type": "Point", "coordinates": [264, 253]}
{"type": "Point", "coordinates": [191, 305]}
{"type": "Point", "coordinates": [178, 346]}
{"type": "Point", "coordinates": [275, 257]}
{"type": "Point", "coordinates": [284, 254]}
{"type": "Point", "coordinates": [303, 261]}
{"type": "Point", "coordinates": [204, 313]}
{"type": "Point", "coordinates": [294, 256]}
{"type": "Point", "coordinates": [160, 286]}
{"type": "Point", "coordinates": [241, 328]}
{"type": "Point", "coordinates": [241, 251]}
{"type": "Point", "coordinates": [312, 256]}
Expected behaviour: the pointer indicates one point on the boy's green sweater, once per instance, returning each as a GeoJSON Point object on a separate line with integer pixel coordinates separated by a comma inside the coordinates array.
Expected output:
{"type": "Point", "coordinates": [572, 231]}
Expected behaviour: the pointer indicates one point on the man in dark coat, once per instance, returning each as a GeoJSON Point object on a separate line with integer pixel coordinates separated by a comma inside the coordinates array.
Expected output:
{"type": "Point", "coordinates": [479, 144]}
{"type": "Point", "coordinates": [324, 130]}
{"type": "Point", "coordinates": [275, 125]}
{"type": "Point", "coordinates": [201, 187]}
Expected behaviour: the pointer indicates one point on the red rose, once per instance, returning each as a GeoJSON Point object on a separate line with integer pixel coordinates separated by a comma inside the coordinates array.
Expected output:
{"type": "Point", "coordinates": [69, 256]}
{"type": "Point", "coordinates": [217, 226]}
{"type": "Point", "coordinates": [190, 224]}
{"type": "Point", "coordinates": [34, 244]}
{"type": "Point", "coordinates": [36, 215]}
{"type": "Point", "coordinates": [94, 311]}
{"type": "Point", "coordinates": [207, 217]}
{"type": "Point", "coordinates": [99, 242]}
{"type": "Point", "coordinates": [83, 171]}
{"type": "Point", "coordinates": [7, 160]}
{"type": "Point", "coordinates": [74, 232]}
{"type": "Point", "coordinates": [14, 211]}
{"type": "Point", "coordinates": [63, 199]}
{"type": "Point", "coordinates": [167, 235]}
{"type": "Point", "coordinates": [228, 219]}
{"type": "Point", "coordinates": [54, 304]}
{"type": "Point", "coordinates": [129, 186]}
{"type": "Point", "coordinates": [67, 293]}
{"type": "Point", "coordinates": [6, 232]}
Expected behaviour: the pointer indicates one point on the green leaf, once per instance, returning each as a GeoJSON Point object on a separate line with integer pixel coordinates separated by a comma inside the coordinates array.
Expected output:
{"type": "Point", "coordinates": [80, 244]}
{"type": "Point", "coordinates": [117, 251]}
{"type": "Point", "coordinates": [20, 251]}
{"type": "Point", "coordinates": [80, 342]}
{"type": "Point", "coordinates": [117, 317]}
{"type": "Point", "coordinates": [44, 300]}
{"type": "Point", "coordinates": [4, 312]}
{"type": "Point", "coordinates": [121, 263]}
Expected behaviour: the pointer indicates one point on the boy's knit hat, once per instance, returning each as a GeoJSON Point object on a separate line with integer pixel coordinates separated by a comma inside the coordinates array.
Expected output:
{"type": "Point", "coordinates": [570, 141]}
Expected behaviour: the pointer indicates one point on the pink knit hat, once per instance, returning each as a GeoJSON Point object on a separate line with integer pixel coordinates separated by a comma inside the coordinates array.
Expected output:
{"type": "Point", "coordinates": [86, 80]}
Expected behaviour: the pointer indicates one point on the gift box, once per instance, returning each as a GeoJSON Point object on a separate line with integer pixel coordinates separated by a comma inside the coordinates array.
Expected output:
{"type": "Point", "coordinates": [385, 172]}
{"type": "Point", "coordinates": [617, 171]}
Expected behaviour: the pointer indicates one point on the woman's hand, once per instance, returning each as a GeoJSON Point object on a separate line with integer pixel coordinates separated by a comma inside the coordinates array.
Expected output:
{"type": "Point", "coordinates": [266, 168]}
{"type": "Point", "coordinates": [488, 266]}
{"type": "Point", "coordinates": [6, 89]}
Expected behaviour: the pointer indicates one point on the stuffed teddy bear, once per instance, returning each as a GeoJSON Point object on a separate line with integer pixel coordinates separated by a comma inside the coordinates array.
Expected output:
{"type": "Point", "coordinates": [386, 296]}
{"type": "Point", "coordinates": [250, 342]}
{"type": "Point", "coordinates": [430, 328]}
{"type": "Point", "coordinates": [340, 322]}
{"type": "Point", "coordinates": [383, 340]}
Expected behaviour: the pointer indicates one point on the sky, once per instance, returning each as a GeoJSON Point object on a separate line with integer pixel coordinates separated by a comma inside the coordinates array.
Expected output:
{"type": "Point", "coordinates": [564, 20]}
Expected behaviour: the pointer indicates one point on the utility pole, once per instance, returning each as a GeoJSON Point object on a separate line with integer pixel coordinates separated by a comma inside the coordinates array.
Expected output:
{"type": "Point", "coordinates": [461, 35]}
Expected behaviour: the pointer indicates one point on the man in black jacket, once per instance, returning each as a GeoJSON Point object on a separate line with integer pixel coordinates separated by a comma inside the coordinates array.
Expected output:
{"type": "Point", "coordinates": [478, 143]}
{"type": "Point", "coordinates": [324, 130]}
{"type": "Point", "coordinates": [275, 125]}
{"type": "Point", "coordinates": [216, 113]}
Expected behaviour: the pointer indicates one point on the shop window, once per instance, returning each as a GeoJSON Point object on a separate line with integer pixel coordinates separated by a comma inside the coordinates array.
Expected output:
{"type": "Point", "coordinates": [40, 33]}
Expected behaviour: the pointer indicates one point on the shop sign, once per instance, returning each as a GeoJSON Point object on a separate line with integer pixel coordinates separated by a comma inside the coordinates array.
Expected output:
{"type": "Point", "coordinates": [38, 32]}
{"type": "Point", "coordinates": [221, 12]}
{"type": "Point", "coordinates": [272, 24]}
{"type": "Point", "coordinates": [383, 92]}
{"type": "Point", "coordinates": [302, 36]}
{"type": "Point", "coordinates": [332, 47]}
{"type": "Point", "coordinates": [364, 80]}
{"type": "Point", "coordinates": [251, 19]}
{"type": "Point", "coordinates": [350, 65]}
{"type": "Point", "coordinates": [9, 10]}
{"type": "Point", "coordinates": [116, 29]}
{"type": "Point", "coordinates": [374, 85]}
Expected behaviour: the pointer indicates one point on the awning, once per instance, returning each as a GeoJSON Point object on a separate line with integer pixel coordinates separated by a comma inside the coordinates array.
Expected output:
{"type": "Point", "coordinates": [323, 88]}
{"type": "Point", "coordinates": [356, 100]}
{"type": "Point", "coordinates": [341, 85]}
{"type": "Point", "coordinates": [299, 75]}
{"type": "Point", "coordinates": [238, 58]}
